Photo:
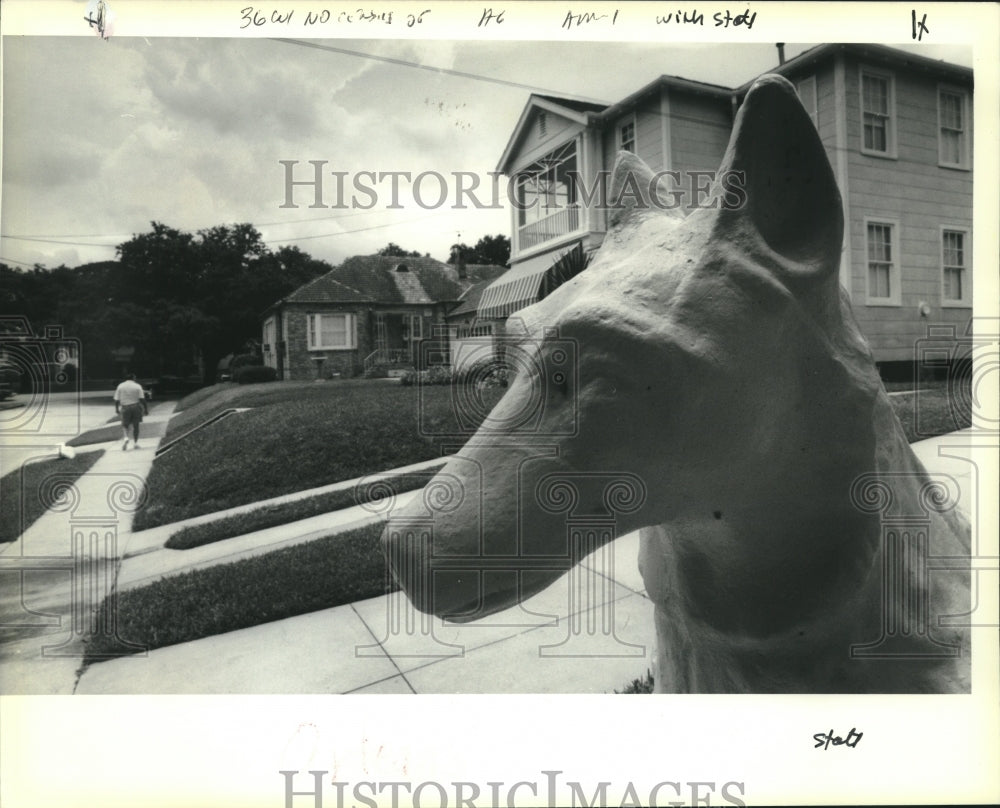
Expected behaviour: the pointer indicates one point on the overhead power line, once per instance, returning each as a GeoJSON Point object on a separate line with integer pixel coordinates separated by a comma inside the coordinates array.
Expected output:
{"type": "Point", "coordinates": [430, 68]}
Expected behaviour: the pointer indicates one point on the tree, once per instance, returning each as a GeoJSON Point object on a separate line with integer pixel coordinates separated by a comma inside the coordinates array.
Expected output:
{"type": "Point", "coordinates": [394, 249]}
{"type": "Point", "coordinates": [203, 295]}
{"type": "Point", "coordinates": [488, 250]}
{"type": "Point", "coordinates": [173, 297]}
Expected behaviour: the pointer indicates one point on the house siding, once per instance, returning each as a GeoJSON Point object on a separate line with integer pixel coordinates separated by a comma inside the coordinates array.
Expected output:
{"type": "Point", "coordinates": [559, 130]}
{"type": "Point", "coordinates": [699, 134]}
{"type": "Point", "coordinates": [921, 196]}
{"type": "Point", "coordinates": [648, 135]}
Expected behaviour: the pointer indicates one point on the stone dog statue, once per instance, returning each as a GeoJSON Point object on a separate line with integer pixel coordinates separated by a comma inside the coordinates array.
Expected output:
{"type": "Point", "coordinates": [718, 366]}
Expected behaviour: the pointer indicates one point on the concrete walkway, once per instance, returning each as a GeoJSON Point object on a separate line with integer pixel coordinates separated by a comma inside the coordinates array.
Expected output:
{"type": "Point", "coordinates": [588, 632]}
{"type": "Point", "coordinates": [65, 563]}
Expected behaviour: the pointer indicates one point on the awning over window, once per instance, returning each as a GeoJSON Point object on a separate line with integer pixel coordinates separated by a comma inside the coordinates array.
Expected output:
{"type": "Point", "coordinates": [512, 291]}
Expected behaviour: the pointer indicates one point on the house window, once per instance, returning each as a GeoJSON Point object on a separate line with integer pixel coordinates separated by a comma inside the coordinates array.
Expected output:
{"type": "Point", "coordinates": [952, 128]}
{"type": "Point", "coordinates": [542, 124]}
{"type": "Point", "coordinates": [954, 267]}
{"type": "Point", "coordinates": [877, 103]}
{"type": "Point", "coordinates": [883, 263]}
{"type": "Point", "coordinates": [806, 90]}
{"type": "Point", "coordinates": [626, 137]}
{"type": "Point", "coordinates": [331, 332]}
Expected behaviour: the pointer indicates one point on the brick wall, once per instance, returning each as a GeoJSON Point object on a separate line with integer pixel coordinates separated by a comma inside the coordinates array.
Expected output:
{"type": "Point", "coordinates": [300, 362]}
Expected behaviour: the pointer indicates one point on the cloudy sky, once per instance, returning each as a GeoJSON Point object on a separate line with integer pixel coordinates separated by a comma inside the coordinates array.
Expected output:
{"type": "Point", "coordinates": [103, 137]}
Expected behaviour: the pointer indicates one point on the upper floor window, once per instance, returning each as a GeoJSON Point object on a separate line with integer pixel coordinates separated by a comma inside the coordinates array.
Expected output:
{"type": "Point", "coordinates": [806, 90]}
{"type": "Point", "coordinates": [546, 198]}
{"type": "Point", "coordinates": [548, 185]}
{"type": "Point", "coordinates": [878, 135]}
{"type": "Point", "coordinates": [331, 331]}
{"type": "Point", "coordinates": [883, 263]}
{"type": "Point", "coordinates": [953, 128]}
{"type": "Point", "coordinates": [956, 288]}
{"type": "Point", "coordinates": [626, 136]}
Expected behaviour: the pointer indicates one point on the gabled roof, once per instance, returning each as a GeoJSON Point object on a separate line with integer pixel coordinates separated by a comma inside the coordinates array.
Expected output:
{"type": "Point", "coordinates": [575, 104]}
{"type": "Point", "coordinates": [574, 109]}
{"type": "Point", "coordinates": [385, 279]}
{"type": "Point", "coordinates": [326, 289]}
{"type": "Point", "coordinates": [875, 54]}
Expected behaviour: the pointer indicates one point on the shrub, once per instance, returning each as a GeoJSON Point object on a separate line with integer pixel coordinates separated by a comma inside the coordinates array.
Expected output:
{"type": "Point", "coordinates": [487, 372]}
{"type": "Point", "coordinates": [642, 685]}
{"type": "Point", "coordinates": [379, 371]}
{"type": "Point", "coordinates": [337, 569]}
{"type": "Point", "coordinates": [245, 360]}
{"type": "Point", "coordinates": [255, 374]}
{"type": "Point", "coordinates": [439, 374]}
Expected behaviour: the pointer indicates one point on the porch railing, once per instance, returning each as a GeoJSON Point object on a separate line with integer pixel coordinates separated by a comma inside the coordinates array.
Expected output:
{"type": "Point", "coordinates": [552, 226]}
{"type": "Point", "coordinates": [388, 356]}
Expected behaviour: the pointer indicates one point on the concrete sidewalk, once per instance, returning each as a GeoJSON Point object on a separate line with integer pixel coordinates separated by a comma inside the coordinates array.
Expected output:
{"type": "Point", "coordinates": [65, 563]}
{"type": "Point", "coordinates": [587, 633]}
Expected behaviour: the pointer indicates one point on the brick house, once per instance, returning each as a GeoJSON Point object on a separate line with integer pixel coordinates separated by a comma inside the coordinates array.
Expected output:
{"type": "Point", "coordinates": [898, 131]}
{"type": "Point", "coordinates": [371, 310]}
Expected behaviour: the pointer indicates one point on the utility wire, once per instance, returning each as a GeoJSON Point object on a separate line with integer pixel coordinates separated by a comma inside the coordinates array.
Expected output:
{"type": "Point", "coordinates": [346, 52]}
{"type": "Point", "coordinates": [430, 68]}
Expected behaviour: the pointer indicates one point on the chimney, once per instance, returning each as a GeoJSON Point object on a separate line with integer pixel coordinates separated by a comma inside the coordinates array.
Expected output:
{"type": "Point", "coordinates": [781, 53]}
{"type": "Point", "coordinates": [458, 254]}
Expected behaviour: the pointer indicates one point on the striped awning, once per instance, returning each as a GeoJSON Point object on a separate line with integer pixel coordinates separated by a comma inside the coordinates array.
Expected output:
{"type": "Point", "coordinates": [512, 291]}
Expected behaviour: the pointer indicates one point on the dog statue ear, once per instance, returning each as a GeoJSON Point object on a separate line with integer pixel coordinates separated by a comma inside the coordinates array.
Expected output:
{"type": "Point", "coordinates": [634, 191]}
{"type": "Point", "coordinates": [790, 195]}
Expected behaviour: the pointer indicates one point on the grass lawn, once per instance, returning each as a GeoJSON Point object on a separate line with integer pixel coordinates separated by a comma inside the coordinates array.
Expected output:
{"type": "Point", "coordinates": [20, 503]}
{"type": "Point", "coordinates": [295, 580]}
{"type": "Point", "coordinates": [296, 436]}
{"type": "Point", "coordinates": [300, 435]}
{"type": "Point", "coordinates": [273, 515]}
{"type": "Point", "coordinates": [933, 411]}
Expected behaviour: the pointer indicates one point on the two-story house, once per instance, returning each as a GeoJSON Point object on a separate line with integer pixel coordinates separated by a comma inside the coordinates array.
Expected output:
{"type": "Point", "coordinates": [898, 131]}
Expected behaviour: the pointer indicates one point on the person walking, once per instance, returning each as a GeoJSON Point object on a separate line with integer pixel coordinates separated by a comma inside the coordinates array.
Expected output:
{"type": "Point", "coordinates": [130, 403]}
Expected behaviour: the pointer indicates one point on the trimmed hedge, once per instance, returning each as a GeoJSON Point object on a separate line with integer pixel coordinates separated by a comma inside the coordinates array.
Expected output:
{"type": "Point", "coordinates": [255, 374]}
{"type": "Point", "coordinates": [338, 569]}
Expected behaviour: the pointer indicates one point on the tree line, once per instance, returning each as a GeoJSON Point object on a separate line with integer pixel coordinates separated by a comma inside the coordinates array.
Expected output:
{"type": "Point", "coordinates": [180, 301]}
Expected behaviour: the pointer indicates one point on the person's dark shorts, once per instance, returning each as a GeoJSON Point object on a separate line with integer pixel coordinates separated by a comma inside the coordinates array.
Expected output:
{"type": "Point", "coordinates": [131, 415]}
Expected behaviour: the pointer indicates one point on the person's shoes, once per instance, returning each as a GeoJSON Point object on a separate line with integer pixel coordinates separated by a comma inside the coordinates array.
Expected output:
{"type": "Point", "coordinates": [135, 445]}
{"type": "Point", "coordinates": [125, 445]}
